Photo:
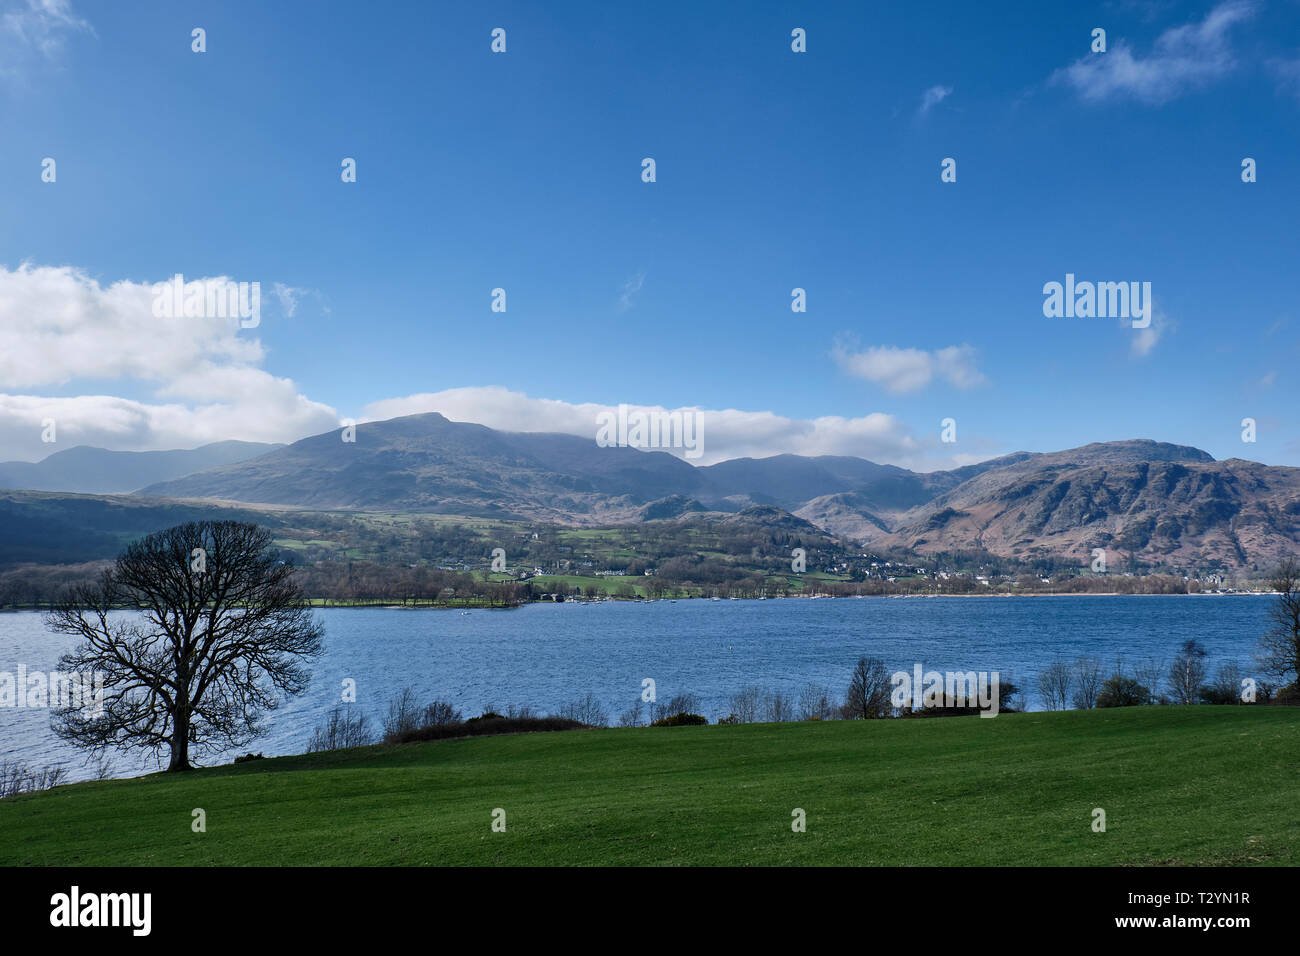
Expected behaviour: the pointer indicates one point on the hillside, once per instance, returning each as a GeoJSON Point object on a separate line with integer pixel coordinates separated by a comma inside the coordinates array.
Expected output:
{"type": "Point", "coordinates": [1183, 512]}
{"type": "Point", "coordinates": [1151, 502]}
{"type": "Point", "coordinates": [42, 527]}
{"type": "Point", "coordinates": [98, 471]}
{"type": "Point", "coordinates": [428, 463]}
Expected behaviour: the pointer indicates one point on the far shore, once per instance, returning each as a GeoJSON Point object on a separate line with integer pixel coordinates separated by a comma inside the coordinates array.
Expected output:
{"type": "Point", "coordinates": [792, 597]}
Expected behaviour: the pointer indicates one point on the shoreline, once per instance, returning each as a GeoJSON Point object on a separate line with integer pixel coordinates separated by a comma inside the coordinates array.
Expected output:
{"type": "Point", "coordinates": [798, 597]}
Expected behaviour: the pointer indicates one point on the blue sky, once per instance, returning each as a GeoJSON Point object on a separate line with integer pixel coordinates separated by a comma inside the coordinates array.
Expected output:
{"type": "Point", "coordinates": [774, 170]}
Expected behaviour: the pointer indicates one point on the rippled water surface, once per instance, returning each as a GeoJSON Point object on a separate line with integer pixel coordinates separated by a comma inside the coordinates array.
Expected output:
{"type": "Point", "coordinates": [546, 655]}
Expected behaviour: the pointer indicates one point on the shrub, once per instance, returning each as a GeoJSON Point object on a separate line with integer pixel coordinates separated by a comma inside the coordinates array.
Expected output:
{"type": "Point", "coordinates": [1121, 691]}
{"type": "Point", "coordinates": [1008, 703]}
{"type": "Point", "coordinates": [680, 720]}
{"type": "Point", "coordinates": [18, 778]}
{"type": "Point", "coordinates": [1225, 688]}
{"type": "Point", "coordinates": [487, 725]}
{"type": "Point", "coordinates": [586, 711]}
{"type": "Point", "coordinates": [438, 713]}
{"type": "Point", "coordinates": [1009, 699]}
{"type": "Point", "coordinates": [683, 703]}
{"type": "Point", "coordinates": [1289, 695]}
{"type": "Point", "coordinates": [344, 727]}
{"type": "Point", "coordinates": [526, 712]}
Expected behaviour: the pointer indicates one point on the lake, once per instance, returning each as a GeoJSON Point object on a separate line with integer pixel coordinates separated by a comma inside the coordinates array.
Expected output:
{"type": "Point", "coordinates": [547, 655]}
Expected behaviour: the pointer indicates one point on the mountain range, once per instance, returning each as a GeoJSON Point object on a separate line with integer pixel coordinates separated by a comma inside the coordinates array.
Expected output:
{"type": "Point", "coordinates": [1159, 503]}
{"type": "Point", "coordinates": [98, 471]}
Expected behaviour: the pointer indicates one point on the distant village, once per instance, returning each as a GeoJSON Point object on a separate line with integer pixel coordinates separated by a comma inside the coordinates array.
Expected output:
{"type": "Point", "coordinates": [861, 574]}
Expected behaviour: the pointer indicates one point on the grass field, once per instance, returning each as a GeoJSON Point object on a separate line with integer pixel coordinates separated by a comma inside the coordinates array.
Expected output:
{"type": "Point", "coordinates": [1180, 785]}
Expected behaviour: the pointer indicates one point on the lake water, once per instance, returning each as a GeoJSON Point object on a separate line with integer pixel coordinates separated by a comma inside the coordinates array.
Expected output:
{"type": "Point", "coordinates": [547, 655]}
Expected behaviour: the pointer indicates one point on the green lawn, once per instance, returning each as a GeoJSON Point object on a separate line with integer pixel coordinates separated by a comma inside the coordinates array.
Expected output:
{"type": "Point", "coordinates": [608, 584]}
{"type": "Point", "coordinates": [1182, 785]}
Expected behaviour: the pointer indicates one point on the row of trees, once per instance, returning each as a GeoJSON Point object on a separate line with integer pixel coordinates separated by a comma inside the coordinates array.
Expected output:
{"type": "Point", "coordinates": [1187, 678]}
{"type": "Point", "coordinates": [42, 585]}
{"type": "Point", "coordinates": [355, 582]}
{"type": "Point", "coordinates": [1082, 684]}
{"type": "Point", "coordinates": [868, 696]}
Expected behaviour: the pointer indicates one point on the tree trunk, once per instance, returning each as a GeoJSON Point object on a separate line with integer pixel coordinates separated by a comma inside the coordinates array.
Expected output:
{"type": "Point", "coordinates": [180, 742]}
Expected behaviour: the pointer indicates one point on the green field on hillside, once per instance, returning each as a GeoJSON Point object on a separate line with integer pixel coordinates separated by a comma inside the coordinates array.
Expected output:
{"type": "Point", "coordinates": [1179, 785]}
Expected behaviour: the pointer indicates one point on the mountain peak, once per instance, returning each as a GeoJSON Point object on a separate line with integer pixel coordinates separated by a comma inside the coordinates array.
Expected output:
{"type": "Point", "coordinates": [1147, 449]}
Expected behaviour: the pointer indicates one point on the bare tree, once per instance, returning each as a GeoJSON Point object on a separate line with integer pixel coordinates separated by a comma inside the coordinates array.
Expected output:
{"type": "Point", "coordinates": [632, 716]}
{"type": "Point", "coordinates": [587, 711]}
{"type": "Point", "coordinates": [745, 703]}
{"type": "Point", "coordinates": [1054, 685]}
{"type": "Point", "coordinates": [221, 635]}
{"type": "Point", "coordinates": [868, 694]}
{"type": "Point", "coordinates": [1187, 673]}
{"type": "Point", "coordinates": [1225, 688]}
{"type": "Point", "coordinates": [342, 728]}
{"type": "Point", "coordinates": [403, 715]}
{"type": "Point", "coordinates": [16, 778]}
{"type": "Point", "coordinates": [1150, 673]}
{"type": "Point", "coordinates": [1088, 673]}
{"type": "Point", "coordinates": [815, 703]}
{"type": "Point", "coordinates": [777, 708]}
{"type": "Point", "coordinates": [1279, 651]}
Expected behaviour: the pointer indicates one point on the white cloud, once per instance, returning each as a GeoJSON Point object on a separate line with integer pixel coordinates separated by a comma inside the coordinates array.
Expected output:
{"type": "Point", "coordinates": [1146, 339]}
{"type": "Point", "coordinates": [203, 381]}
{"type": "Point", "coordinates": [37, 26]}
{"type": "Point", "coordinates": [291, 298]}
{"type": "Point", "coordinates": [288, 296]}
{"type": "Point", "coordinates": [1182, 59]}
{"type": "Point", "coordinates": [933, 97]}
{"type": "Point", "coordinates": [727, 433]}
{"type": "Point", "coordinates": [899, 370]}
{"type": "Point", "coordinates": [630, 289]}
{"type": "Point", "coordinates": [59, 326]}
{"type": "Point", "coordinates": [274, 413]}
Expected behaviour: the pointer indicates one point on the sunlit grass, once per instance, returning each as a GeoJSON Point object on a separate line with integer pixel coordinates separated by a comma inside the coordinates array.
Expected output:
{"type": "Point", "coordinates": [1178, 784]}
